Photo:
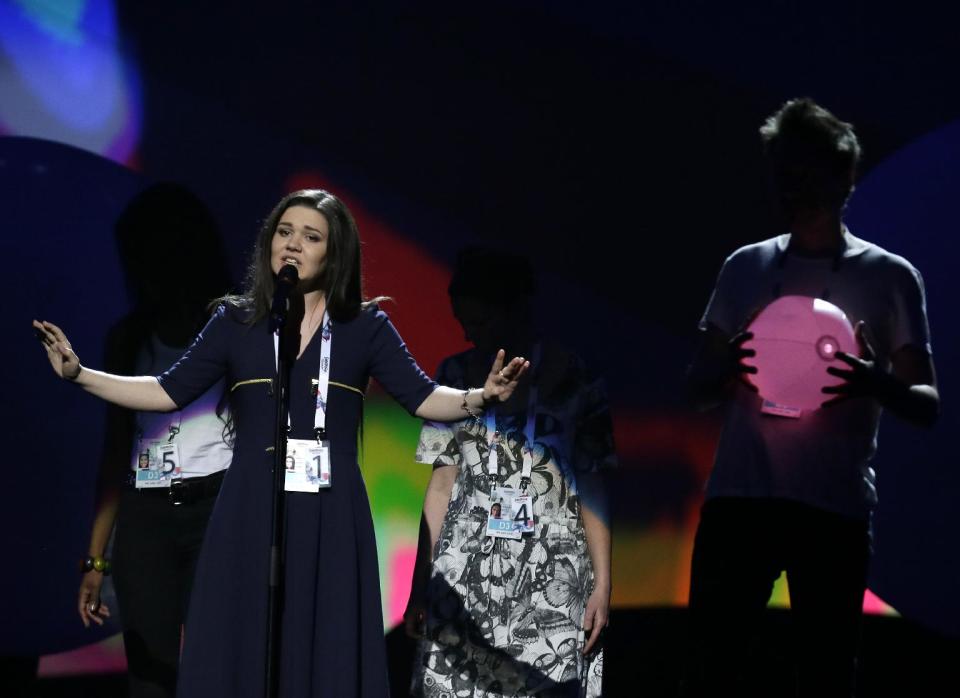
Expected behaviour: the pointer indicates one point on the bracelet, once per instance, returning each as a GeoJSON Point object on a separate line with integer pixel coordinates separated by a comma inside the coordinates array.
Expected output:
{"type": "Point", "coordinates": [465, 406]}
{"type": "Point", "coordinates": [95, 562]}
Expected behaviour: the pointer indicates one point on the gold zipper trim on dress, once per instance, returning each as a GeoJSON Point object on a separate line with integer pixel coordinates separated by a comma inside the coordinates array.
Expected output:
{"type": "Point", "coordinates": [313, 382]}
{"type": "Point", "coordinates": [251, 382]}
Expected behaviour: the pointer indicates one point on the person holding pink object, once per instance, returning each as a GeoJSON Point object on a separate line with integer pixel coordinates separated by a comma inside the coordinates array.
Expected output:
{"type": "Point", "coordinates": [511, 590]}
{"type": "Point", "coordinates": [795, 338]}
{"type": "Point", "coordinates": [792, 489]}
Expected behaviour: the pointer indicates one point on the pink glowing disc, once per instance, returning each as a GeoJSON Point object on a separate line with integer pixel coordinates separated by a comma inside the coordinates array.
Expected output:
{"type": "Point", "coordinates": [796, 338]}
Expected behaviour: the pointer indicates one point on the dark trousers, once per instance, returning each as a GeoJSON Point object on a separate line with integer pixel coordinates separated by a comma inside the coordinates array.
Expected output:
{"type": "Point", "coordinates": [155, 552]}
{"type": "Point", "coordinates": [741, 547]}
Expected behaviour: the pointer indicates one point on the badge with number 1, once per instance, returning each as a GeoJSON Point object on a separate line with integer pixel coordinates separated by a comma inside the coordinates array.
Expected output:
{"type": "Point", "coordinates": [308, 465]}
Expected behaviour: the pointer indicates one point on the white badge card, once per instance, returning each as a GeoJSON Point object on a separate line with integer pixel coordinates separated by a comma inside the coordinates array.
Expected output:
{"type": "Point", "coordinates": [157, 464]}
{"type": "Point", "coordinates": [522, 513]}
{"type": "Point", "coordinates": [308, 465]}
{"type": "Point", "coordinates": [500, 516]}
{"type": "Point", "coordinates": [779, 410]}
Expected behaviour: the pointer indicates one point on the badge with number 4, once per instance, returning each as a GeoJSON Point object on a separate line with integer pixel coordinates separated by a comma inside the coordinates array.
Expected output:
{"type": "Point", "coordinates": [522, 513]}
{"type": "Point", "coordinates": [308, 465]}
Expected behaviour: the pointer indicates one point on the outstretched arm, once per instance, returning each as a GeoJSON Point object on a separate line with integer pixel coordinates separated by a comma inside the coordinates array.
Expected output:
{"type": "Point", "coordinates": [449, 405]}
{"type": "Point", "coordinates": [136, 393]}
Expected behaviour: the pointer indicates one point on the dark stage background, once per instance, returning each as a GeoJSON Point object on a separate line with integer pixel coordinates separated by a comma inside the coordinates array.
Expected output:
{"type": "Point", "coordinates": [615, 143]}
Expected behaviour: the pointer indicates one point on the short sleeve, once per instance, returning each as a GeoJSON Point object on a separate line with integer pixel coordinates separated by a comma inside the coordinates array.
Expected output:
{"type": "Point", "coordinates": [203, 364]}
{"type": "Point", "coordinates": [720, 311]}
{"type": "Point", "coordinates": [593, 446]}
{"type": "Point", "coordinates": [395, 369]}
{"type": "Point", "coordinates": [910, 326]}
{"type": "Point", "coordinates": [438, 443]}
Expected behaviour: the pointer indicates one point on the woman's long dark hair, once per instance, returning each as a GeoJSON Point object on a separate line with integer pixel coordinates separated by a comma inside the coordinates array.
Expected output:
{"type": "Point", "coordinates": [340, 280]}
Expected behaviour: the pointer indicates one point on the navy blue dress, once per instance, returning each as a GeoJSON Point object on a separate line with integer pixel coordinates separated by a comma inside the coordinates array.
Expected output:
{"type": "Point", "coordinates": [332, 624]}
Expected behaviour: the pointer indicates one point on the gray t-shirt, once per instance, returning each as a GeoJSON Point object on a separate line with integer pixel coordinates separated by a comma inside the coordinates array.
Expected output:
{"type": "Point", "coordinates": [822, 458]}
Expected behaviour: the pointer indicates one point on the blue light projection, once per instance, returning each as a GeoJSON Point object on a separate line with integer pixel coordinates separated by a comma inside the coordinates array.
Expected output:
{"type": "Point", "coordinates": [64, 76]}
{"type": "Point", "coordinates": [908, 204]}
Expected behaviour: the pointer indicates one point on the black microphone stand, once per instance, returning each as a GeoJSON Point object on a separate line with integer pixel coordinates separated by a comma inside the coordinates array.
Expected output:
{"type": "Point", "coordinates": [288, 345]}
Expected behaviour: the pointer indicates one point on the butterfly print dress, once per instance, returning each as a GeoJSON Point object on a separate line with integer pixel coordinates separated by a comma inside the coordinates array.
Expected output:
{"type": "Point", "coordinates": [504, 617]}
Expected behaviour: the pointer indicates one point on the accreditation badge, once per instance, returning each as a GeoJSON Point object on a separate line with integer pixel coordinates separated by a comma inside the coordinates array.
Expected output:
{"type": "Point", "coordinates": [158, 463]}
{"type": "Point", "coordinates": [308, 465]}
{"type": "Point", "coordinates": [500, 522]}
{"type": "Point", "coordinates": [522, 513]}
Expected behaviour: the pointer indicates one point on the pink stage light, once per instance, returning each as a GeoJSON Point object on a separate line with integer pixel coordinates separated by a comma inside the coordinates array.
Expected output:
{"type": "Point", "coordinates": [796, 338]}
{"type": "Point", "coordinates": [402, 563]}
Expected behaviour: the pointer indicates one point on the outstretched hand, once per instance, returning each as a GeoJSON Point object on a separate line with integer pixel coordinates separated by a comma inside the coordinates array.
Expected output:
{"type": "Point", "coordinates": [502, 380]}
{"type": "Point", "coordinates": [62, 358]}
{"type": "Point", "coordinates": [864, 378]}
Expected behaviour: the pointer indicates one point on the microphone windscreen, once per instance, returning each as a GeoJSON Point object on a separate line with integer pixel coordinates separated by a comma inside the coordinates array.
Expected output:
{"type": "Point", "coordinates": [288, 275]}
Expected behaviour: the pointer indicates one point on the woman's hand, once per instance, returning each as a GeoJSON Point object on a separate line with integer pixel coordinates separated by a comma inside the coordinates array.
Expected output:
{"type": "Point", "coordinates": [62, 358]}
{"type": "Point", "coordinates": [88, 601]}
{"type": "Point", "coordinates": [596, 616]}
{"type": "Point", "coordinates": [502, 380]}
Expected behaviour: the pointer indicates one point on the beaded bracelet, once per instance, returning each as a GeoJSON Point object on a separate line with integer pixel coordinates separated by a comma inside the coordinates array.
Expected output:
{"type": "Point", "coordinates": [95, 562]}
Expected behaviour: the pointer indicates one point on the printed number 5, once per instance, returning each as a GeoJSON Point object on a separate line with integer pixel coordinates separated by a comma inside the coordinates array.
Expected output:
{"type": "Point", "coordinates": [169, 462]}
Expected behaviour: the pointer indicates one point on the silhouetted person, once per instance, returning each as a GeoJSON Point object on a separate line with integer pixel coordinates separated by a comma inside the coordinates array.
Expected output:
{"type": "Point", "coordinates": [520, 614]}
{"type": "Point", "coordinates": [795, 494]}
{"type": "Point", "coordinates": [174, 263]}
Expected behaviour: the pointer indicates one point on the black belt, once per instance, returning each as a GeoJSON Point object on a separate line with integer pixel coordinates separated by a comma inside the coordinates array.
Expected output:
{"type": "Point", "coordinates": [185, 490]}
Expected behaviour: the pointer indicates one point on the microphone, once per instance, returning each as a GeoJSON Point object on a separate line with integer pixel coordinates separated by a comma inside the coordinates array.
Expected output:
{"type": "Point", "coordinates": [287, 279]}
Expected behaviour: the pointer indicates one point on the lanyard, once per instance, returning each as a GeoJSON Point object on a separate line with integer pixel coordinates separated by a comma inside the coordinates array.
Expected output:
{"type": "Point", "coordinates": [323, 378]}
{"type": "Point", "coordinates": [529, 427]}
{"type": "Point", "coordinates": [175, 426]}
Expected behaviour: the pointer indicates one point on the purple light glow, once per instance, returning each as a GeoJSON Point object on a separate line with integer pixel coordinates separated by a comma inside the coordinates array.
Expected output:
{"type": "Point", "coordinates": [64, 78]}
